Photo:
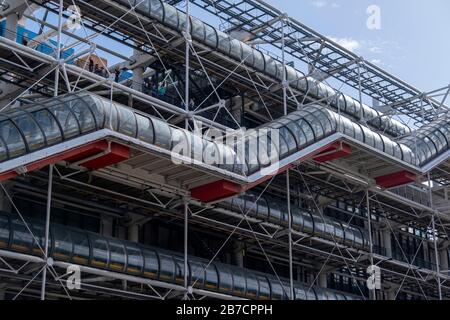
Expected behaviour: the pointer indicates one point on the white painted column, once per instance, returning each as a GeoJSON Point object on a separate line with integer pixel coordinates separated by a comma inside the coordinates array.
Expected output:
{"type": "Point", "coordinates": [107, 226]}
{"type": "Point", "coordinates": [322, 280]}
{"type": "Point", "coordinates": [238, 254]}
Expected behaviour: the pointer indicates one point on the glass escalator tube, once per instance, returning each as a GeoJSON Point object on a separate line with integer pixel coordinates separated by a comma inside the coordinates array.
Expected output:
{"type": "Point", "coordinates": [87, 248]}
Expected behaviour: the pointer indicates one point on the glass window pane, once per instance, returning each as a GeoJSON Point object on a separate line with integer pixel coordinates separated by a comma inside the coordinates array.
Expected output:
{"type": "Point", "coordinates": [264, 288]}
{"type": "Point", "coordinates": [198, 29]}
{"type": "Point", "coordinates": [145, 129]}
{"type": "Point", "coordinates": [211, 36]}
{"type": "Point", "coordinates": [197, 274]}
{"type": "Point", "coordinates": [224, 42]}
{"type": "Point", "coordinates": [167, 271]}
{"type": "Point", "coordinates": [39, 234]}
{"type": "Point", "coordinates": [48, 123]}
{"type": "Point", "coordinates": [12, 138]}
{"type": "Point", "coordinates": [162, 134]}
{"type": "Point", "coordinates": [117, 255]}
{"type": "Point", "coordinates": [179, 270]}
{"type": "Point", "coordinates": [239, 283]}
{"type": "Point", "coordinates": [151, 263]}
{"type": "Point", "coordinates": [170, 15]}
{"type": "Point", "coordinates": [212, 279]}
{"type": "Point", "coordinates": [236, 49]}
{"type": "Point", "coordinates": [156, 9]}
{"type": "Point", "coordinates": [62, 244]}
{"type": "Point", "coordinates": [83, 114]}
{"type": "Point", "coordinates": [258, 62]}
{"type": "Point", "coordinates": [3, 151]}
{"type": "Point", "coordinates": [30, 130]}
{"type": "Point", "coordinates": [4, 231]}
{"type": "Point", "coordinates": [99, 247]}
{"type": "Point", "coordinates": [252, 285]}
{"type": "Point", "coordinates": [225, 278]}
{"type": "Point", "coordinates": [135, 259]}
{"type": "Point", "coordinates": [80, 247]}
{"type": "Point", "coordinates": [247, 54]}
{"type": "Point", "coordinates": [66, 120]}
{"type": "Point", "coordinates": [127, 122]}
{"type": "Point", "coordinates": [21, 237]}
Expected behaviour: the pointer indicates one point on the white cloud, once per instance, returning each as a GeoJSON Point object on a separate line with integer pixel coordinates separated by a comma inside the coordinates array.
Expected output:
{"type": "Point", "coordinates": [347, 43]}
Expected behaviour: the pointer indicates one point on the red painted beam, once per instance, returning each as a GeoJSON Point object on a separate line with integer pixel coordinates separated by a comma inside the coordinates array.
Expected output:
{"type": "Point", "coordinates": [335, 151]}
{"type": "Point", "coordinates": [215, 191]}
{"type": "Point", "coordinates": [116, 154]}
{"type": "Point", "coordinates": [396, 179]}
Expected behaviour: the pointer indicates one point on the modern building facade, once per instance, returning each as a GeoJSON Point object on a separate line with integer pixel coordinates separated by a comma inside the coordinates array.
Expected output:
{"type": "Point", "coordinates": [146, 153]}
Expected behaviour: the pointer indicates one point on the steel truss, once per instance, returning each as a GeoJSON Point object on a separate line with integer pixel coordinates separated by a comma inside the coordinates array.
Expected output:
{"type": "Point", "coordinates": [418, 206]}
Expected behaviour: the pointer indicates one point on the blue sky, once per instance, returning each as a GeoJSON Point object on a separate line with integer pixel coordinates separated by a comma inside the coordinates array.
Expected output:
{"type": "Point", "coordinates": [413, 42]}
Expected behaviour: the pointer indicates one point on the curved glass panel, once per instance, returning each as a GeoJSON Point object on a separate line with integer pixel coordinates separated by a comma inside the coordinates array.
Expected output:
{"type": "Point", "coordinates": [263, 208]}
{"type": "Point", "coordinates": [162, 134]}
{"type": "Point", "coordinates": [83, 114]}
{"type": "Point", "coordinates": [117, 259]}
{"type": "Point", "coordinates": [4, 231]}
{"type": "Point", "coordinates": [179, 270]}
{"type": "Point", "coordinates": [171, 16]}
{"type": "Point", "coordinates": [99, 251]}
{"type": "Point", "coordinates": [277, 289]}
{"type": "Point", "coordinates": [21, 240]}
{"type": "Point", "coordinates": [49, 125]}
{"type": "Point", "coordinates": [264, 288]}
{"type": "Point", "coordinates": [135, 259]}
{"type": "Point", "coordinates": [258, 62]}
{"type": "Point", "coordinates": [151, 263]}
{"type": "Point", "coordinates": [127, 122]}
{"type": "Point", "coordinates": [225, 278]}
{"type": "Point", "coordinates": [270, 66]}
{"type": "Point", "coordinates": [145, 129]}
{"type": "Point", "coordinates": [197, 274]}
{"type": "Point", "coordinates": [62, 244]}
{"type": "Point", "coordinates": [142, 6]}
{"type": "Point", "coordinates": [211, 36]}
{"type": "Point", "coordinates": [156, 9]}
{"type": "Point", "coordinates": [247, 54]}
{"type": "Point", "coordinates": [66, 120]}
{"type": "Point", "coordinates": [12, 138]}
{"type": "Point", "coordinates": [80, 247]}
{"type": "Point", "coordinates": [30, 130]}
{"type": "Point", "coordinates": [167, 267]}
{"type": "Point", "coordinates": [198, 29]}
{"type": "Point", "coordinates": [236, 49]}
{"type": "Point", "coordinates": [224, 42]}
{"type": "Point", "coordinates": [211, 278]}
{"type": "Point", "coordinates": [252, 285]}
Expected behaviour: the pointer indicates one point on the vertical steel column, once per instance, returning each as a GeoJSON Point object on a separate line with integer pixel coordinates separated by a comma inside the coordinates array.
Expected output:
{"type": "Point", "coordinates": [288, 189]}
{"type": "Point", "coordinates": [369, 226]}
{"type": "Point", "coordinates": [186, 107]}
{"type": "Point", "coordinates": [435, 238]}
{"type": "Point", "coordinates": [47, 229]}
{"type": "Point", "coordinates": [50, 168]}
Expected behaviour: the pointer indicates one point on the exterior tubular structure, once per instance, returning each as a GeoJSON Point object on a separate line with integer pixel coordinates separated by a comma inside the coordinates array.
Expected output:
{"type": "Point", "coordinates": [254, 58]}
{"type": "Point", "coordinates": [39, 126]}
{"type": "Point", "coordinates": [90, 249]}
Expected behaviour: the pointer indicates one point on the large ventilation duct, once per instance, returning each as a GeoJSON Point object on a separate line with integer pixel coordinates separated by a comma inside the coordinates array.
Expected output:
{"type": "Point", "coordinates": [254, 58]}
{"type": "Point", "coordinates": [84, 248]}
